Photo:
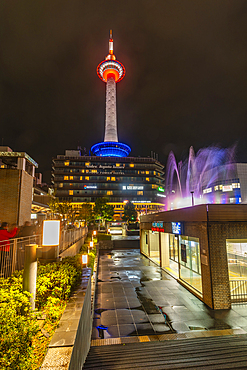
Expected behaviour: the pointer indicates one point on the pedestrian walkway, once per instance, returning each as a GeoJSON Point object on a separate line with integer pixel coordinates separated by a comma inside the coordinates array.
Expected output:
{"type": "Point", "coordinates": [137, 301]}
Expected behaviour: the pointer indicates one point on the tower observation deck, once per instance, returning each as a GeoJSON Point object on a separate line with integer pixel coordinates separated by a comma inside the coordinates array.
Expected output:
{"type": "Point", "coordinates": [111, 71]}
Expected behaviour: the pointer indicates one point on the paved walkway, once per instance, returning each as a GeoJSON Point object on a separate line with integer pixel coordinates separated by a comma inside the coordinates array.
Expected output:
{"type": "Point", "coordinates": [130, 288]}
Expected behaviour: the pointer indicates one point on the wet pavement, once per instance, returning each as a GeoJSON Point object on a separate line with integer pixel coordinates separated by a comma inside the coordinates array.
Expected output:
{"type": "Point", "coordinates": [134, 297]}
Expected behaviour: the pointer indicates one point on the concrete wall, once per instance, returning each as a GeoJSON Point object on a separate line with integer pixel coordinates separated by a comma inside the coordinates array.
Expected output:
{"type": "Point", "coordinates": [15, 196]}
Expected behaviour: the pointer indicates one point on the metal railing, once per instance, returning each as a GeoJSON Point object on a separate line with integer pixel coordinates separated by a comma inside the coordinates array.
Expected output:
{"type": "Point", "coordinates": [238, 289]}
{"type": "Point", "coordinates": [12, 253]}
{"type": "Point", "coordinates": [71, 236]}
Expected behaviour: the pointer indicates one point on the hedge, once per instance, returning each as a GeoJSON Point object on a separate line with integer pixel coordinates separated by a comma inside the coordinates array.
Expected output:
{"type": "Point", "coordinates": [24, 334]}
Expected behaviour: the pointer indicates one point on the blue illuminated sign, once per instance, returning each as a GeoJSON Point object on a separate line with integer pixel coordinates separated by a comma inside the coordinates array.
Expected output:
{"type": "Point", "coordinates": [158, 224]}
{"type": "Point", "coordinates": [177, 228]}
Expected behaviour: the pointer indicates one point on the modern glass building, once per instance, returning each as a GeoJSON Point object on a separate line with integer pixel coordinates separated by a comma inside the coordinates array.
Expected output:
{"type": "Point", "coordinates": [82, 179]}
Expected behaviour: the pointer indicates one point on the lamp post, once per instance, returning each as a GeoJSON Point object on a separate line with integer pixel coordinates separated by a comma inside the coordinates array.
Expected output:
{"type": "Point", "coordinates": [192, 198]}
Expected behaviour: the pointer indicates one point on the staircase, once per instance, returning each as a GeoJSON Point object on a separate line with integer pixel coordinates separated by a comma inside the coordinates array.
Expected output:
{"type": "Point", "coordinates": [225, 352]}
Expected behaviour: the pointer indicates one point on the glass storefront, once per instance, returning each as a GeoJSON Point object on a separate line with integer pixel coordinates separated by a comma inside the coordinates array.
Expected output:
{"type": "Point", "coordinates": [180, 255]}
{"type": "Point", "coordinates": [144, 245]}
{"type": "Point", "coordinates": [237, 258]}
{"type": "Point", "coordinates": [154, 246]}
{"type": "Point", "coordinates": [190, 264]}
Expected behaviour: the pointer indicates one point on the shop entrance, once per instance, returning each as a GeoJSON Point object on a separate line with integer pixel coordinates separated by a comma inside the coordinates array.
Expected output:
{"type": "Point", "coordinates": [237, 268]}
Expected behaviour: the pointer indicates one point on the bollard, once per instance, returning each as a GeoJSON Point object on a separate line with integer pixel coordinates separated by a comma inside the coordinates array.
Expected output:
{"type": "Point", "coordinates": [30, 272]}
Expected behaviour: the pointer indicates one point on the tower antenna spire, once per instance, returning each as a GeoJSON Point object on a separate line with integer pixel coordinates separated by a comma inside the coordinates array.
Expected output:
{"type": "Point", "coordinates": [111, 44]}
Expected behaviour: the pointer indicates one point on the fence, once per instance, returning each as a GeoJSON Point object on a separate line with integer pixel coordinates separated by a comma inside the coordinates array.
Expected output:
{"type": "Point", "coordinates": [69, 237]}
{"type": "Point", "coordinates": [238, 289]}
{"type": "Point", "coordinates": [12, 252]}
{"type": "Point", "coordinates": [84, 332]}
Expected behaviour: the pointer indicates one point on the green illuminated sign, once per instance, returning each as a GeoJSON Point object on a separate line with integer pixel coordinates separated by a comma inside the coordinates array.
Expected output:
{"type": "Point", "coordinates": [161, 189]}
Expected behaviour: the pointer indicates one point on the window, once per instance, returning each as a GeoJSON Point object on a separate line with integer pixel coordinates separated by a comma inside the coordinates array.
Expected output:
{"type": "Point", "coordinates": [117, 164]}
{"type": "Point", "coordinates": [87, 178]}
{"type": "Point", "coordinates": [66, 177]}
{"type": "Point", "coordinates": [154, 172]}
{"type": "Point", "coordinates": [87, 171]}
{"type": "Point", "coordinates": [140, 193]}
{"type": "Point", "coordinates": [147, 172]}
{"type": "Point", "coordinates": [113, 179]}
{"type": "Point", "coordinates": [80, 177]}
{"type": "Point", "coordinates": [87, 164]}
{"type": "Point", "coordinates": [147, 179]}
{"type": "Point", "coordinates": [61, 185]}
{"type": "Point", "coordinates": [132, 165]}
{"type": "Point", "coordinates": [108, 179]}
{"type": "Point", "coordinates": [109, 192]}
{"type": "Point", "coordinates": [216, 188]}
{"type": "Point", "coordinates": [94, 171]}
{"type": "Point", "coordinates": [82, 171]}
{"type": "Point", "coordinates": [66, 163]}
{"type": "Point", "coordinates": [70, 192]}
{"type": "Point", "coordinates": [154, 186]}
{"type": "Point", "coordinates": [71, 177]}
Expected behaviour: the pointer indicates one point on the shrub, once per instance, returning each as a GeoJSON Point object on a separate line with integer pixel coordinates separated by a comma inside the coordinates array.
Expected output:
{"type": "Point", "coordinates": [18, 326]}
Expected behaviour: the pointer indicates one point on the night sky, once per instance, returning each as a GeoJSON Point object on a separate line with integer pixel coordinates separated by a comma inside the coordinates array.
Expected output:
{"type": "Point", "coordinates": [185, 83]}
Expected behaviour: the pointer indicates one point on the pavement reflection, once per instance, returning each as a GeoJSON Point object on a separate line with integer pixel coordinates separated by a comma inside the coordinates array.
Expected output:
{"type": "Point", "coordinates": [136, 297]}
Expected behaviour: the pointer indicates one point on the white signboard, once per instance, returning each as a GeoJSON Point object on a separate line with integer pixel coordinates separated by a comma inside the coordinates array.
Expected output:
{"type": "Point", "coordinates": [227, 188]}
{"type": "Point", "coordinates": [133, 187]}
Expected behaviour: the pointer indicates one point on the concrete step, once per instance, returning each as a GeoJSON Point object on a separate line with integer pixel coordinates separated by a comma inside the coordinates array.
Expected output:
{"type": "Point", "coordinates": [226, 352]}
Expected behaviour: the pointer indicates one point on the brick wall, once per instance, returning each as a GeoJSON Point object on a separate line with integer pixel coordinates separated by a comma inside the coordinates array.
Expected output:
{"type": "Point", "coordinates": [218, 233]}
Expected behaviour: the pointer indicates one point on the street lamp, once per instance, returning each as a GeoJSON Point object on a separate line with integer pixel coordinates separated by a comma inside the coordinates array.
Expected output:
{"type": "Point", "coordinates": [192, 198]}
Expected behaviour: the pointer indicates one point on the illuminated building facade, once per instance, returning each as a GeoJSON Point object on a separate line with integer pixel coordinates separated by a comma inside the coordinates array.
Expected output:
{"type": "Point", "coordinates": [85, 178]}
{"type": "Point", "coordinates": [109, 172]}
{"type": "Point", "coordinates": [226, 184]}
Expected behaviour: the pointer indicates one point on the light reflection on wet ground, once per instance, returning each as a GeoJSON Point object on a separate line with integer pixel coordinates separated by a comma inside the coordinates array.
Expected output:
{"type": "Point", "coordinates": [135, 297]}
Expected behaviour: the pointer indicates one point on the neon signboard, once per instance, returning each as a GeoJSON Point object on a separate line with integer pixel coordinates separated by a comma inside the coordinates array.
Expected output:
{"type": "Point", "coordinates": [161, 189]}
{"type": "Point", "coordinates": [158, 226]}
{"type": "Point", "coordinates": [177, 228]}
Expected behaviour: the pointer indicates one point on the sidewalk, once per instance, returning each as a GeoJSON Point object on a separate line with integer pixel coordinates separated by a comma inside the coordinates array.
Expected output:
{"type": "Point", "coordinates": [130, 288]}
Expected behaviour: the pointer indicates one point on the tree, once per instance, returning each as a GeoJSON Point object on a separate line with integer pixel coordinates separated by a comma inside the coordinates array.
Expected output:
{"type": "Point", "coordinates": [85, 213]}
{"type": "Point", "coordinates": [130, 213]}
{"type": "Point", "coordinates": [53, 205]}
{"type": "Point", "coordinates": [102, 210]}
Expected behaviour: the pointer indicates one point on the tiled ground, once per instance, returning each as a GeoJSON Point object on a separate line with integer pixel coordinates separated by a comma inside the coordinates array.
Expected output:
{"type": "Point", "coordinates": [130, 288]}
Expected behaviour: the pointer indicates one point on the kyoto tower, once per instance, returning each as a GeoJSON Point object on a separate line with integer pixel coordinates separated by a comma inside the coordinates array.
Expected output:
{"type": "Point", "coordinates": [111, 71]}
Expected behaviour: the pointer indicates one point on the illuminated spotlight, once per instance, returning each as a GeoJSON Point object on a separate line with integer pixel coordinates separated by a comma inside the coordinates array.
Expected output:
{"type": "Point", "coordinates": [84, 258]}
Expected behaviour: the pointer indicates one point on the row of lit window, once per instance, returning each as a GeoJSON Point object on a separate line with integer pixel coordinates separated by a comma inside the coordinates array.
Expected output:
{"type": "Point", "coordinates": [106, 171]}
{"type": "Point", "coordinates": [87, 178]}
{"type": "Point", "coordinates": [109, 192]}
{"type": "Point", "coordinates": [224, 188]}
{"type": "Point", "coordinates": [67, 163]}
